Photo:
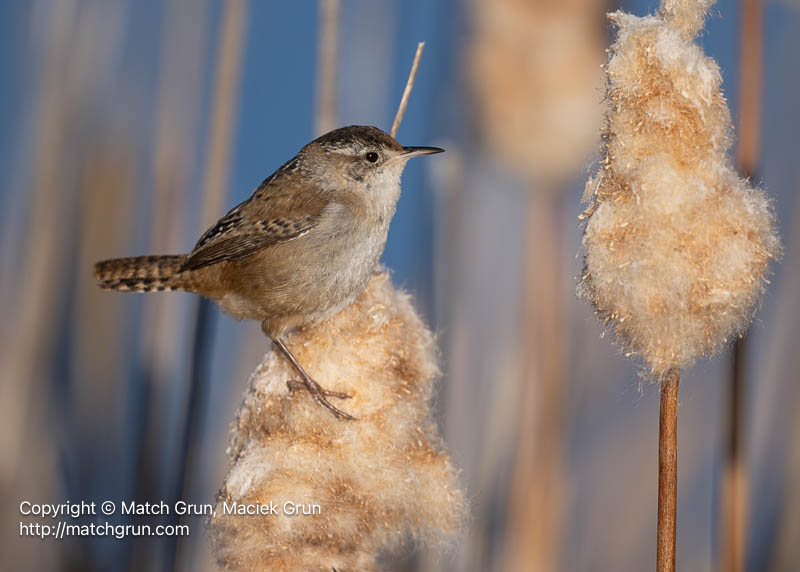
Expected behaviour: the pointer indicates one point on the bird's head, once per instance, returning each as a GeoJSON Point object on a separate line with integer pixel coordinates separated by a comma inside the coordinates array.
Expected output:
{"type": "Point", "coordinates": [360, 158]}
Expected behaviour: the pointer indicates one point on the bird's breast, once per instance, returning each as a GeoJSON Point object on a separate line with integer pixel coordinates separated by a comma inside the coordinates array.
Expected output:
{"type": "Point", "coordinates": [313, 277]}
{"type": "Point", "coordinates": [347, 253]}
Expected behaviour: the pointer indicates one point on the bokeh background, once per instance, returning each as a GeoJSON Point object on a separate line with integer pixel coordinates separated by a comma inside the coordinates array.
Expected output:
{"type": "Point", "coordinates": [129, 126]}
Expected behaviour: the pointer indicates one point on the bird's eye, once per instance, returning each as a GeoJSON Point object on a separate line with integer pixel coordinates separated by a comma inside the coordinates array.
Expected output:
{"type": "Point", "coordinates": [372, 157]}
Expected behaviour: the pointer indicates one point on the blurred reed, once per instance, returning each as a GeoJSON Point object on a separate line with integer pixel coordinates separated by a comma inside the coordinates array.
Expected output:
{"type": "Point", "coordinates": [327, 54]}
{"type": "Point", "coordinates": [176, 130]}
{"type": "Point", "coordinates": [37, 290]}
{"type": "Point", "coordinates": [542, 124]}
{"type": "Point", "coordinates": [734, 486]}
{"type": "Point", "coordinates": [179, 98]}
{"type": "Point", "coordinates": [225, 96]}
{"type": "Point", "coordinates": [30, 332]}
{"type": "Point", "coordinates": [59, 366]}
{"type": "Point", "coordinates": [783, 363]}
{"type": "Point", "coordinates": [535, 119]}
{"type": "Point", "coordinates": [102, 392]}
{"type": "Point", "coordinates": [223, 116]}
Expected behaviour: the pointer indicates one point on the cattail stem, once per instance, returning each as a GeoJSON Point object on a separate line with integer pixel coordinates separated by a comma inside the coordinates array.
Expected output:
{"type": "Point", "coordinates": [733, 471]}
{"type": "Point", "coordinates": [667, 474]}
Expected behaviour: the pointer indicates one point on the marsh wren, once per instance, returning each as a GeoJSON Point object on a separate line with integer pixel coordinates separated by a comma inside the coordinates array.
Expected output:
{"type": "Point", "coordinates": [299, 250]}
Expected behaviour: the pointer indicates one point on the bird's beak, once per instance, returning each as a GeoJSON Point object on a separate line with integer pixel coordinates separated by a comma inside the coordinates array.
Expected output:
{"type": "Point", "coordinates": [409, 152]}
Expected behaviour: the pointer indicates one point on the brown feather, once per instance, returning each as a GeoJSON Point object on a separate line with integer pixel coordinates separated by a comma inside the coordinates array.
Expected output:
{"type": "Point", "coordinates": [277, 211]}
{"type": "Point", "coordinates": [140, 273]}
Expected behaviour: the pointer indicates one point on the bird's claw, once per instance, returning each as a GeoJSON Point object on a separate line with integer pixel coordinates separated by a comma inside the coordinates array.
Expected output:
{"type": "Point", "coordinates": [319, 394]}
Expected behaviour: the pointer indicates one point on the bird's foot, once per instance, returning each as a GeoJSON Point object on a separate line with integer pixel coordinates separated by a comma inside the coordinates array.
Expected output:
{"type": "Point", "coordinates": [319, 394]}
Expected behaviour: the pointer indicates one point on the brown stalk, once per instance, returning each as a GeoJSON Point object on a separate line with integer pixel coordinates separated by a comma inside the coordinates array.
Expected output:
{"type": "Point", "coordinates": [223, 116]}
{"type": "Point", "coordinates": [179, 86]}
{"type": "Point", "coordinates": [535, 500]}
{"type": "Point", "coordinates": [326, 66]}
{"type": "Point", "coordinates": [751, 54]}
{"type": "Point", "coordinates": [667, 474]}
{"type": "Point", "coordinates": [734, 485]}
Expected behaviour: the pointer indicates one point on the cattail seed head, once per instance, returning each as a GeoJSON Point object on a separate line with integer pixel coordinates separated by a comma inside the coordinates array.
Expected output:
{"type": "Point", "coordinates": [535, 71]}
{"type": "Point", "coordinates": [380, 481]}
{"type": "Point", "coordinates": [677, 245]}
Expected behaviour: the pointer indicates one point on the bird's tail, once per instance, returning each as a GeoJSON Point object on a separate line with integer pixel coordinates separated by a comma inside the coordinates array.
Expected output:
{"type": "Point", "coordinates": [141, 273]}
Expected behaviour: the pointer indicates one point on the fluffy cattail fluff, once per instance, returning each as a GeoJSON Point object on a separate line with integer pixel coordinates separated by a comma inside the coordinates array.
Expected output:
{"type": "Point", "coordinates": [677, 245]}
{"type": "Point", "coordinates": [535, 68]}
{"type": "Point", "coordinates": [379, 481]}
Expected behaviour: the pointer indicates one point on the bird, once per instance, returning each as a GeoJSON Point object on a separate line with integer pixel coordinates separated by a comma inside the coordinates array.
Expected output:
{"type": "Point", "coordinates": [299, 250]}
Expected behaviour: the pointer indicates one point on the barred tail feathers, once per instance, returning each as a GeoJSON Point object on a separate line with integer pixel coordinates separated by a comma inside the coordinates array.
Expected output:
{"type": "Point", "coordinates": [141, 273]}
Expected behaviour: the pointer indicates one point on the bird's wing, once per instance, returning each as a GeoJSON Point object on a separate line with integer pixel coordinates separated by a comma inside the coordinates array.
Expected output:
{"type": "Point", "coordinates": [275, 213]}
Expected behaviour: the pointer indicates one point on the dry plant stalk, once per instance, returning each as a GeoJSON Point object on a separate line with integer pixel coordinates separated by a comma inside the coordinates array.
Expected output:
{"type": "Point", "coordinates": [379, 481]}
{"type": "Point", "coordinates": [401, 109]}
{"type": "Point", "coordinates": [677, 243]}
{"type": "Point", "coordinates": [667, 474]}
{"type": "Point", "coordinates": [326, 68]}
{"type": "Point", "coordinates": [223, 121]}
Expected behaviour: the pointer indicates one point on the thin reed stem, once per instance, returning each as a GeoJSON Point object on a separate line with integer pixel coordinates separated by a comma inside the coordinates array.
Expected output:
{"type": "Point", "coordinates": [326, 67]}
{"type": "Point", "coordinates": [667, 474]}
{"type": "Point", "coordinates": [751, 76]}
{"type": "Point", "coordinates": [732, 519]}
{"type": "Point", "coordinates": [734, 483]}
{"type": "Point", "coordinates": [226, 93]}
{"type": "Point", "coordinates": [401, 110]}
{"type": "Point", "coordinates": [535, 519]}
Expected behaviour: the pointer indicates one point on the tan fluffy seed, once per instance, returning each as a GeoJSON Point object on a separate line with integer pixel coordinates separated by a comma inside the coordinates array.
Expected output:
{"type": "Point", "coordinates": [380, 481]}
{"type": "Point", "coordinates": [677, 245]}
